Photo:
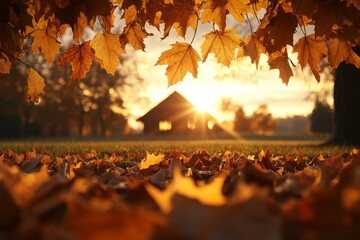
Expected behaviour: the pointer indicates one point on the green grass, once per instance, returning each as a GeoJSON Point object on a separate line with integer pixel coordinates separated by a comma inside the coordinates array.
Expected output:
{"type": "Point", "coordinates": [60, 148]}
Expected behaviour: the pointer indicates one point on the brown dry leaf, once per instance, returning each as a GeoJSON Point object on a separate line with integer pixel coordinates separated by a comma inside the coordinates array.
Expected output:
{"type": "Point", "coordinates": [215, 11]}
{"type": "Point", "coordinates": [107, 49]}
{"type": "Point", "coordinates": [341, 50]}
{"type": "Point", "coordinates": [150, 160]}
{"type": "Point", "coordinates": [5, 63]}
{"type": "Point", "coordinates": [134, 34]}
{"type": "Point", "coordinates": [80, 57]}
{"type": "Point", "coordinates": [35, 85]}
{"type": "Point", "coordinates": [311, 50]}
{"type": "Point", "coordinates": [356, 3]}
{"type": "Point", "coordinates": [181, 58]}
{"type": "Point", "coordinates": [209, 194]}
{"type": "Point", "coordinates": [222, 44]}
{"type": "Point", "coordinates": [278, 60]}
{"type": "Point", "coordinates": [253, 48]}
{"type": "Point", "coordinates": [279, 32]}
{"type": "Point", "coordinates": [180, 16]}
{"type": "Point", "coordinates": [130, 14]}
{"type": "Point", "coordinates": [323, 22]}
{"type": "Point", "coordinates": [45, 35]}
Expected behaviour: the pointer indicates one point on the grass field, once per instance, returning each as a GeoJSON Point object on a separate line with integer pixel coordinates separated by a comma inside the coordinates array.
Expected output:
{"type": "Point", "coordinates": [309, 147]}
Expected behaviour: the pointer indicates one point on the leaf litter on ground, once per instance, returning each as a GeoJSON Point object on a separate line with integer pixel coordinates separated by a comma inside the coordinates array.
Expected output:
{"type": "Point", "coordinates": [179, 195]}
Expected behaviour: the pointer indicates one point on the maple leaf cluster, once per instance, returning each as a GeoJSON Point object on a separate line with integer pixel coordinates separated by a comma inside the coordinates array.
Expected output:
{"type": "Point", "coordinates": [179, 195]}
{"type": "Point", "coordinates": [330, 29]}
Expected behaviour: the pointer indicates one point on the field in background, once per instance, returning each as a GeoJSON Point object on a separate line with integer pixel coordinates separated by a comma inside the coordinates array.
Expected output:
{"type": "Point", "coordinates": [127, 147]}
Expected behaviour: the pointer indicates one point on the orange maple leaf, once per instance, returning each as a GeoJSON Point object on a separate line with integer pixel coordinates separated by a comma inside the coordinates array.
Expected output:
{"type": "Point", "coordinates": [80, 58]}
{"type": "Point", "coordinates": [35, 85]}
{"type": "Point", "coordinates": [5, 63]}
{"type": "Point", "coordinates": [181, 58]}
{"type": "Point", "coordinates": [81, 24]}
{"type": "Point", "coordinates": [341, 50]}
{"type": "Point", "coordinates": [134, 34]}
{"type": "Point", "coordinates": [279, 60]}
{"type": "Point", "coordinates": [45, 41]}
{"type": "Point", "coordinates": [215, 11]}
{"type": "Point", "coordinates": [222, 44]}
{"type": "Point", "coordinates": [107, 49]}
{"type": "Point", "coordinates": [253, 48]}
{"type": "Point", "coordinates": [311, 50]}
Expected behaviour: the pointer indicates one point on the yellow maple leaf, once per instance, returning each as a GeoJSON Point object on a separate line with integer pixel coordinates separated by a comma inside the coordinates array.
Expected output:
{"type": "Point", "coordinates": [134, 34]}
{"type": "Point", "coordinates": [130, 14]}
{"type": "Point", "coordinates": [45, 41]}
{"type": "Point", "coordinates": [222, 44]}
{"type": "Point", "coordinates": [215, 11]}
{"type": "Point", "coordinates": [311, 50]}
{"type": "Point", "coordinates": [80, 57]}
{"type": "Point", "coordinates": [107, 49]}
{"type": "Point", "coordinates": [341, 50]}
{"type": "Point", "coordinates": [239, 7]}
{"type": "Point", "coordinates": [35, 85]}
{"type": "Point", "coordinates": [253, 48]}
{"type": "Point", "coordinates": [150, 160]}
{"type": "Point", "coordinates": [5, 63]}
{"type": "Point", "coordinates": [208, 194]}
{"type": "Point", "coordinates": [279, 60]}
{"type": "Point", "coordinates": [181, 58]}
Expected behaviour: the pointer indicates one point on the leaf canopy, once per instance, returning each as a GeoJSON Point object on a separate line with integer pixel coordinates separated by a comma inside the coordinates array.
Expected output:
{"type": "Point", "coordinates": [330, 30]}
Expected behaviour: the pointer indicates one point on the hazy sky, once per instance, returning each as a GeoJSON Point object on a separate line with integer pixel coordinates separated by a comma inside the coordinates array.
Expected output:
{"type": "Point", "coordinates": [241, 83]}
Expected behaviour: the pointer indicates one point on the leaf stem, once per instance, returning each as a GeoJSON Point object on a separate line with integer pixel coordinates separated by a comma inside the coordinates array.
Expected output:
{"type": "Point", "coordinates": [248, 20]}
{"type": "Point", "coordinates": [12, 56]}
{"type": "Point", "coordinates": [195, 31]}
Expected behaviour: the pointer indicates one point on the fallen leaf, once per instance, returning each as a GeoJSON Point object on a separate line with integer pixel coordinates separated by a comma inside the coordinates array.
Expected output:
{"type": "Point", "coordinates": [151, 160]}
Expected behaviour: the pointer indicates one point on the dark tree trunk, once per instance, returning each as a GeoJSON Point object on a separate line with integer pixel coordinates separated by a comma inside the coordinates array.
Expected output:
{"type": "Point", "coordinates": [347, 104]}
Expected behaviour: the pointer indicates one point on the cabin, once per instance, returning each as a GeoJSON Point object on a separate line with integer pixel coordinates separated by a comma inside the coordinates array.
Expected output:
{"type": "Point", "coordinates": [175, 115]}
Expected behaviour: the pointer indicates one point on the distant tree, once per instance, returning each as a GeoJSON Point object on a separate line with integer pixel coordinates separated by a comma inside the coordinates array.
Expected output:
{"type": "Point", "coordinates": [321, 118]}
{"type": "Point", "coordinates": [241, 121]}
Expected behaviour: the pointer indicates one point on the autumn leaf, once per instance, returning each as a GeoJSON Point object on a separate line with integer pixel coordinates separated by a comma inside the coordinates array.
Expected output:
{"type": "Point", "coordinates": [311, 50]}
{"type": "Point", "coordinates": [5, 63]}
{"type": "Point", "coordinates": [238, 8]}
{"type": "Point", "coordinates": [134, 34]}
{"type": "Point", "coordinates": [215, 11]}
{"type": "Point", "coordinates": [180, 16]}
{"type": "Point", "coordinates": [253, 48]}
{"type": "Point", "coordinates": [151, 160]}
{"type": "Point", "coordinates": [222, 44]}
{"type": "Point", "coordinates": [279, 60]}
{"type": "Point", "coordinates": [181, 58]}
{"type": "Point", "coordinates": [279, 32]}
{"type": "Point", "coordinates": [35, 85]}
{"type": "Point", "coordinates": [323, 23]}
{"type": "Point", "coordinates": [45, 40]}
{"type": "Point", "coordinates": [78, 30]}
{"type": "Point", "coordinates": [209, 194]}
{"type": "Point", "coordinates": [107, 49]}
{"type": "Point", "coordinates": [80, 57]}
{"type": "Point", "coordinates": [341, 50]}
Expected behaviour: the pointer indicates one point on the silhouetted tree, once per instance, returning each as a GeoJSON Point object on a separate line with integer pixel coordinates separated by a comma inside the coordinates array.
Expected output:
{"type": "Point", "coordinates": [321, 118]}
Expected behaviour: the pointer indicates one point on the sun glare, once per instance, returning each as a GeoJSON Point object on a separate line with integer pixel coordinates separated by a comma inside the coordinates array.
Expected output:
{"type": "Point", "coordinates": [203, 102]}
